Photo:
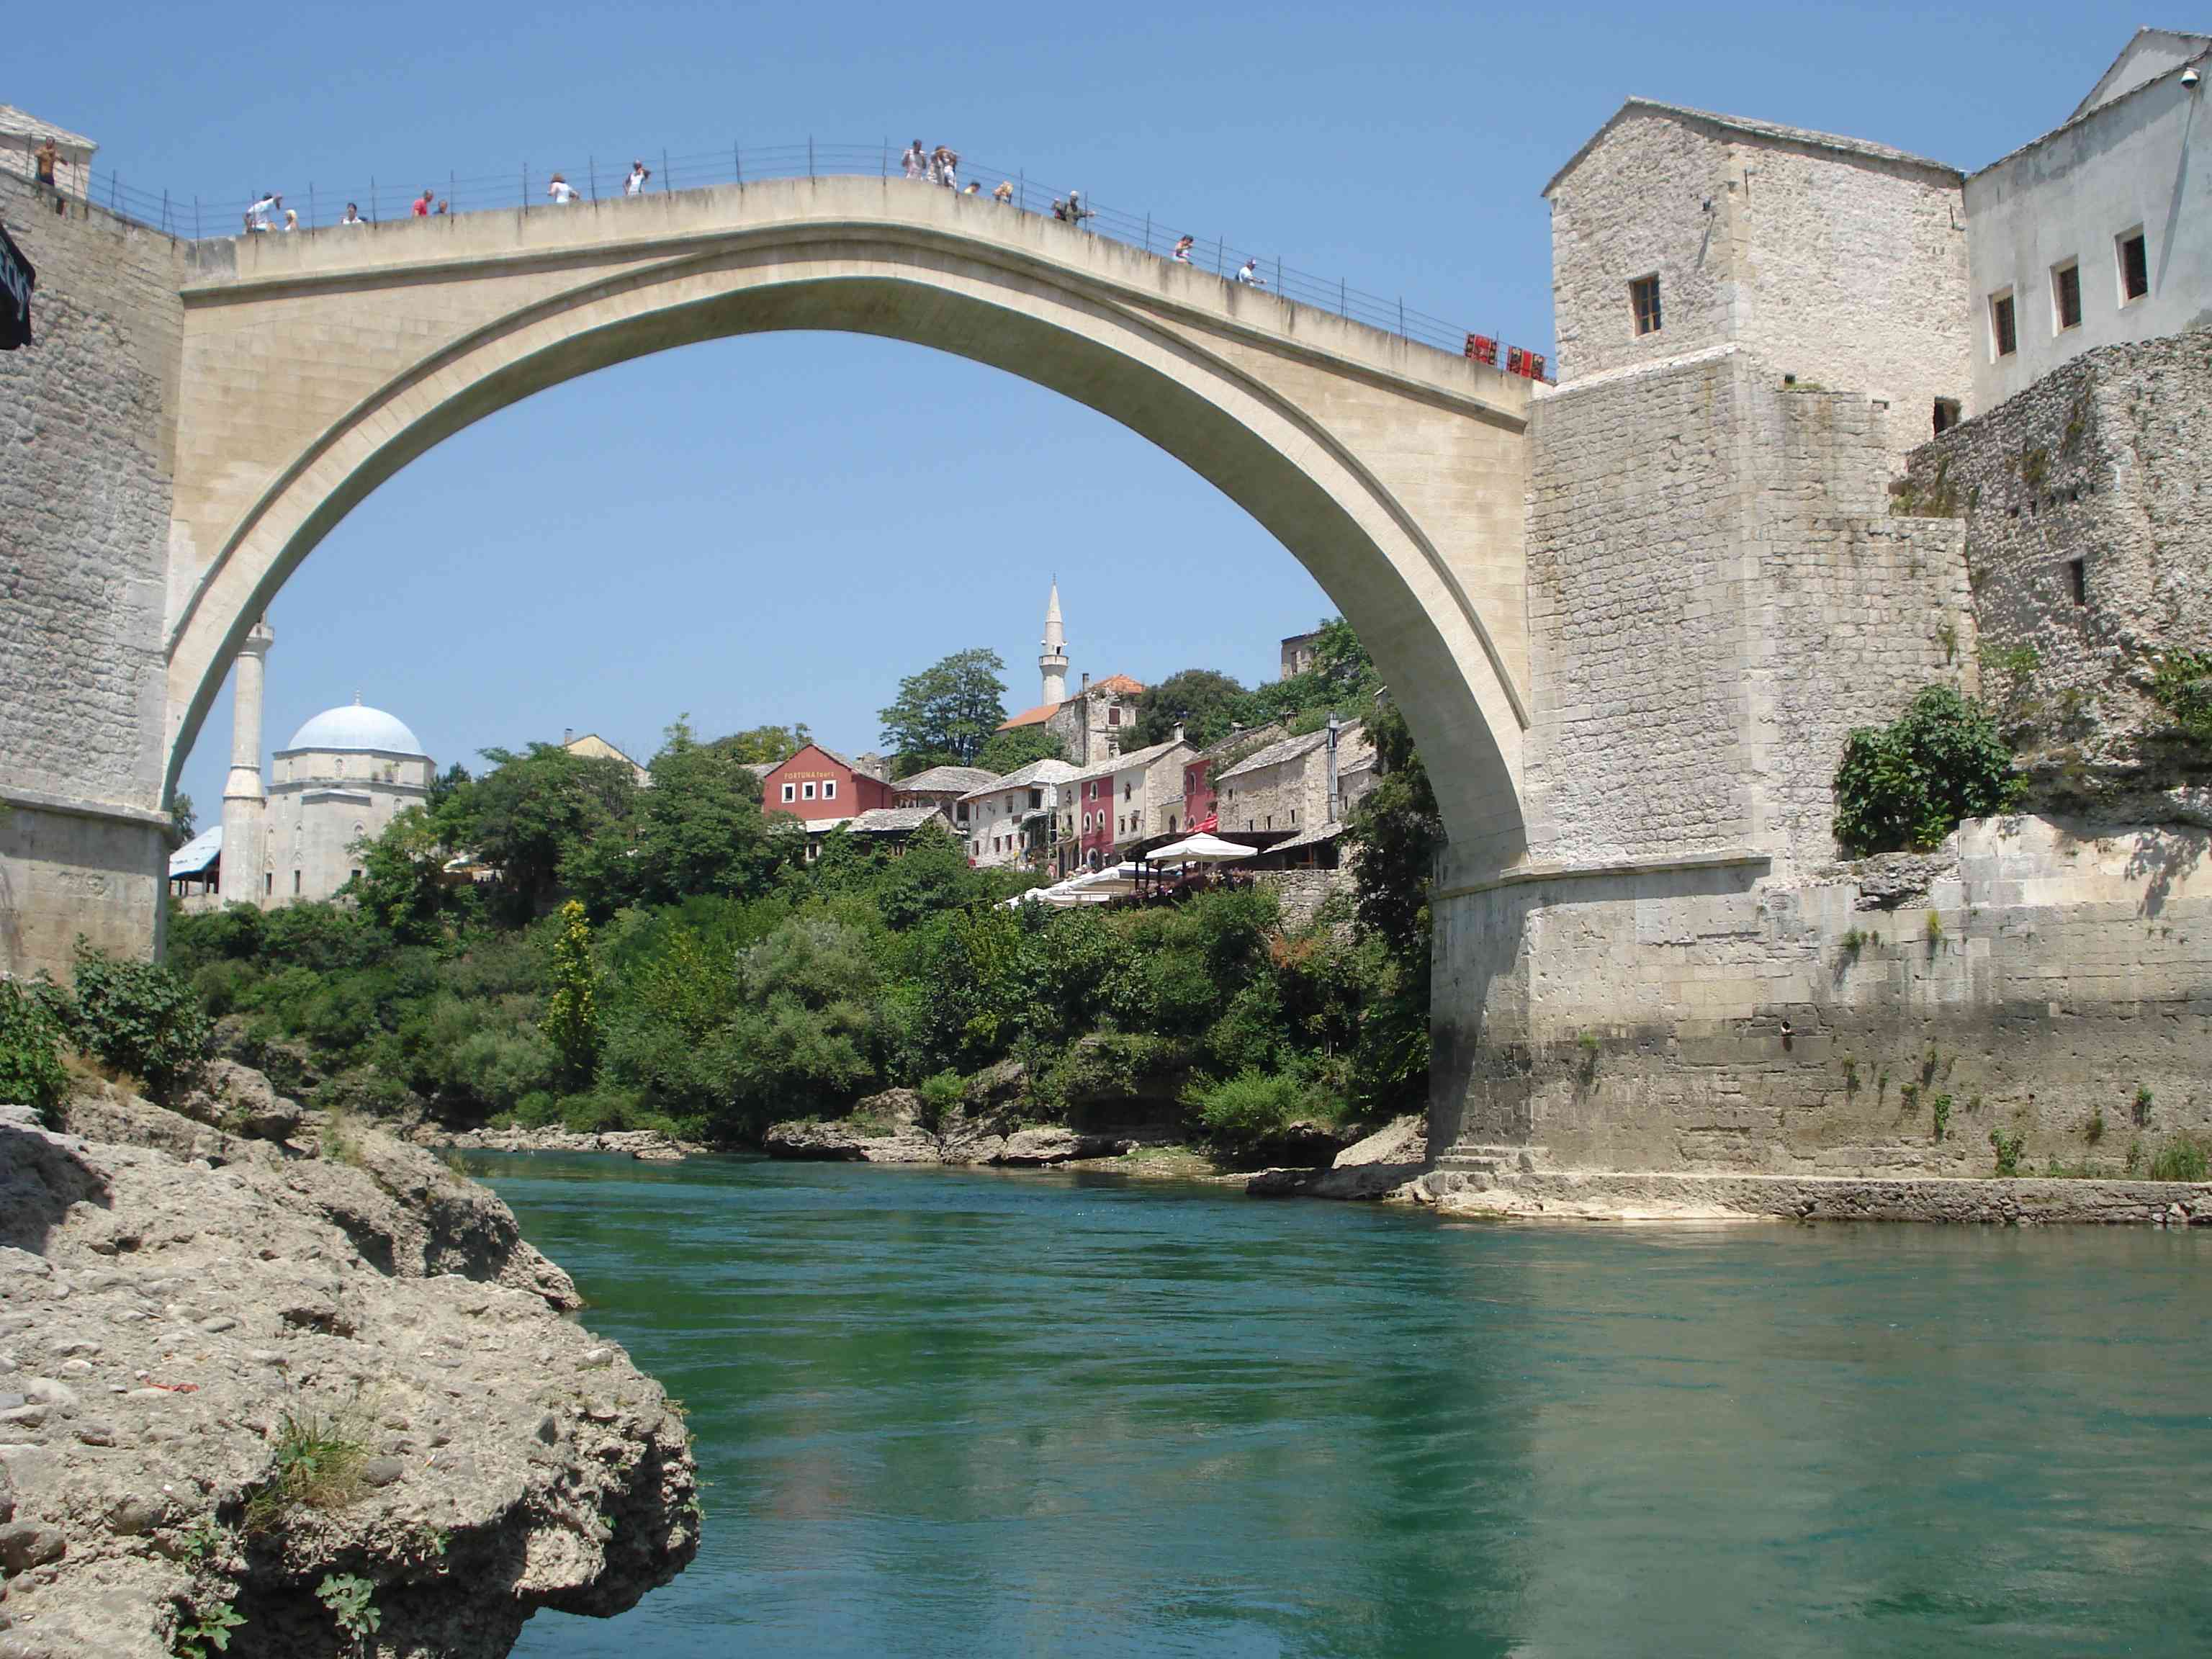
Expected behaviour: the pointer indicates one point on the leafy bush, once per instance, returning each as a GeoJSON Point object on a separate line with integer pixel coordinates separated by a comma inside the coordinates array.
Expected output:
{"type": "Point", "coordinates": [31, 1072]}
{"type": "Point", "coordinates": [1248, 1109]}
{"type": "Point", "coordinates": [2008, 1148]}
{"type": "Point", "coordinates": [2183, 1159]}
{"type": "Point", "coordinates": [941, 1096]}
{"type": "Point", "coordinates": [2183, 687]}
{"type": "Point", "coordinates": [1908, 785]}
{"type": "Point", "coordinates": [138, 1018]}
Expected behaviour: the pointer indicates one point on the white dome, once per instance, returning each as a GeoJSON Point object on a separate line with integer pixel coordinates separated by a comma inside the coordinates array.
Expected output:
{"type": "Point", "coordinates": [355, 726]}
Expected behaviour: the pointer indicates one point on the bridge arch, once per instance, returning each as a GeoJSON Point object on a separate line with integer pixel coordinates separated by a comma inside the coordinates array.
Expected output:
{"type": "Point", "coordinates": [1392, 472]}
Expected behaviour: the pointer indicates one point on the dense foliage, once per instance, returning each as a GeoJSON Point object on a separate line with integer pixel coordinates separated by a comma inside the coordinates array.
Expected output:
{"type": "Point", "coordinates": [1010, 751]}
{"type": "Point", "coordinates": [1907, 785]}
{"type": "Point", "coordinates": [2182, 686]}
{"type": "Point", "coordinates": [136, 1017]}
{"type": "Point", "coordinates": [946, 713]}
{"type": "Point", "coordinates": [31, 1071]}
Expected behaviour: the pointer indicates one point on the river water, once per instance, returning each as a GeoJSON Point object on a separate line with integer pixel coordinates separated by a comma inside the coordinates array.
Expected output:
{"type": "Point", "coordinates": [966, 1412]}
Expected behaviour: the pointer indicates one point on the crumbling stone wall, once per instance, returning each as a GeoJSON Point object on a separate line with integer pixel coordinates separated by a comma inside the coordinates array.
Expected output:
{"type": "Point", "coordinates": [86, 422]}
{"type": "Point", "coordinates": [2086, 504]}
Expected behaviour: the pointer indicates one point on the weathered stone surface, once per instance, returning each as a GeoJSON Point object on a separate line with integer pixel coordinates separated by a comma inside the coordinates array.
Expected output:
{"type": "Point", "coordinates": [384, 1297]}
{"type": "Point", "coordinates": [648, 1146]}
{"type": "Point", "coordinates": [1604, 1196]}
{"type": "Point", "coordinates": [1056, 1144]}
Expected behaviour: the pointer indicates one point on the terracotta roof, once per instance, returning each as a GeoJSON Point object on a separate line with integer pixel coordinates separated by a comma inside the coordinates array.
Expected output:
{"type": "Point", "coordinates": [1119, 684]}
{"type": "Point", "coordinates": [947, 780]}
{"type": "Point", "coordinates": [1775, 129]}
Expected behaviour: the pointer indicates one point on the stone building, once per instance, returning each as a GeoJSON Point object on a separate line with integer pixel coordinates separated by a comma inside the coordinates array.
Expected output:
{"type": "Point", "coordinates": [592, 746]}
{"type": "Point", "coordinates": [1010, 820]}
{"type": "Point", "coordinates": [1836, 263]}
{"type": "Point", "coordinates": [947, 786]}
{"type": "Point", "coordinates": [2100, 231]}
{"type": "Point", "coordinates": [1089, 724]}
{"type": "Point", "coordinates": [1297, 786]}
{"type": "Point", "coordinates": [1299, 653]}
{"type": "Point", "coordinates": [343, 777]}
{"type": "Point", "coordinates": [1124, 801]}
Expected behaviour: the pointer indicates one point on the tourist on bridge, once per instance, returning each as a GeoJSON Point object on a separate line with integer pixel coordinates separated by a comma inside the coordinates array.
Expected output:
{"type": "Point", "coordinates": [1182, 247]}
{"type": "Point", "coordinates": [562, 191]}
{"type": "Point", "coordinates": [264, 208]}
{"type": "Point", "coordinates": [352, 215]}
{"type": "Point", "coordinates": [422, 204]}
{"type": "Point", "coordinates": [634, 185]}
{"type": "Point", "coordinates": [291, 222]}
{"type": "Point", "coordinates": [1005, 193]}
{"type": "Point", "coordinates": [49, 158]}
{"type": "Point", "coordinates": [1249, 274]}
{"type": "Point", "coordinates": [915, 161]}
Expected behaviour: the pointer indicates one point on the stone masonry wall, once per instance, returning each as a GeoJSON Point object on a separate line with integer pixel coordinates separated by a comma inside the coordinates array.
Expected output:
{"type": "Point", "coordinates": [2108, 461]}
{"type": "Point", "coordinates": [1629, 209]}
{"type": "Point", "coordinates": [1637, 560]}
{"type": "Point", "coordinates": [87, 421]}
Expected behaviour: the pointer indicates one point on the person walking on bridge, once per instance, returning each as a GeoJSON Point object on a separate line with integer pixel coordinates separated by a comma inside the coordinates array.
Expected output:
{"type": "Point", "coordinates": [634, 185]}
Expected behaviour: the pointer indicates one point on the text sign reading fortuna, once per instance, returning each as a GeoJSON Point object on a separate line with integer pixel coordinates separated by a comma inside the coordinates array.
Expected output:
{"type": "Point", "coordinates": [17, 279]}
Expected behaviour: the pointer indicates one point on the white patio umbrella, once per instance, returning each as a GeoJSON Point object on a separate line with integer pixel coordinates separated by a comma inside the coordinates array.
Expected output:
{"type": "Point", "coordinates": [1202, 849]}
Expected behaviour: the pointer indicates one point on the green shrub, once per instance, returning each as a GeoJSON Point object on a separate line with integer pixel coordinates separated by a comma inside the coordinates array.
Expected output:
{"type": "Point", "coordinates": [138, 1018]}
{"type": "Point", "coordinates": [2183, 1159]}
{"type": "Point", "coordinates": [1249, 1109]}
{"type": "Point", "coordinates": [2183, 687]}
{"type": "Point", "coordinates": [536, 1110]}
{"type": "Point", "coordinates": [31, 1072]}
{"type": "Point", "coordinates": [2008, 1148]}
{"type": "Point", "coordinates": [1908, 785]}
{"type": "Point", "coordinates": [940, 1097]}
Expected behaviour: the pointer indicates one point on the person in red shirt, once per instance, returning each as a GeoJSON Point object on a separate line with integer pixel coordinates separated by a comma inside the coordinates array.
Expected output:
{"type": "Point", "coordinates": [422, 205]}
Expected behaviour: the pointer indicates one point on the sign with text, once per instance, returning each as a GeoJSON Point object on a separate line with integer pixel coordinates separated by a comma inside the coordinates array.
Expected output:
{"type": "Point", "coordinates": [17, 279]}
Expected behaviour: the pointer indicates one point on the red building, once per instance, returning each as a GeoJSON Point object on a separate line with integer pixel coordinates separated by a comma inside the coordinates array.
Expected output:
{"type": "Point", "coordinates": [1199, 800]}
{"type": "Point", "coordinates": [1095, 825]}
{"type": "Point", "coordinates": [820, 787]}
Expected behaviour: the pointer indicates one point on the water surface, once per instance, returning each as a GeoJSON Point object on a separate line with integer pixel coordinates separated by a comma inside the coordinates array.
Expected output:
{"type": "Point", "coordinates": [966, 1412]}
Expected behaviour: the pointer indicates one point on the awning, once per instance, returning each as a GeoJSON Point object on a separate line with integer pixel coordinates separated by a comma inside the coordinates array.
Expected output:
{"type": "Point", "coordinates": [1199, 849]}
{"type": "Point", "coordinates": [198, 855]}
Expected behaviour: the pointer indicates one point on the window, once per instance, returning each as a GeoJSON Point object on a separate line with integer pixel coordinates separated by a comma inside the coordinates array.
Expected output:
{"type": "Point", "coordinates": [355, 874]}
{"type": "Point", "coordinates": [1294, 818]}
{"type": "Point", "coordinates": [1114, 714]}
{"type": "Point", "coordinates": [829, 789]}
{"type": "Point", "coordinates": [791, 792]}
{"type": "Point", "coordinates": [2066, 296]}
{"type": "Point", "coordinates": [2077, 579]}
{"type": "Point", "coordinates": [2135, 265]}
{"type": "Point", "coordinates": [1644, 295]}
{"type": "Point", "coordinates": [1946, 414]}
{"type": "Point", "coordinates": [296, 883]}
{"type": "Point", "coordinates": [1127, 789]}
{"type": "Point", "coordinates": [268, 882]}
{"type": "Point", "coordinates": [806, 792]}
{"type": "Point", "coordinates": [1171, 824]}
{"type": "Point", "coordinates": [2003, 340]}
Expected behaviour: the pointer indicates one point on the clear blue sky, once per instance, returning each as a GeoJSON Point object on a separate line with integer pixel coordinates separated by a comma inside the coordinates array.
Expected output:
{"type": "Point", "coordinates": [777, 529]}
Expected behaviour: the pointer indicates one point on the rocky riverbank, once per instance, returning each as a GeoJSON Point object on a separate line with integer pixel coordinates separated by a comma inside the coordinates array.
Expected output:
{"type": "Point", "coordinates": [301, 1397]}
{"type": "Point", "coordinates": [647, 1146]}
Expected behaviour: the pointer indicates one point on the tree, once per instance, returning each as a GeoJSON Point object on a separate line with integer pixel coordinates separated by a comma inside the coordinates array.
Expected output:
{"type": "Point", "coordinates": [1343, 677]}
{"type": "Point", "coordinates": [946, 713]}
{"type": "Point", "coordinates": [1397, 832]}
{"type": "Point", "coordinates": [534, 812]}
{"type": "Point", "coordinates": [765, 744]}
{"type": "Point", "coordinates": [181, 829]}
{"type": "Point", "coordinates": [1010, 751]}
{"type": "Point", "coordinates": [572, 1016]}
{"type": "Point", "coordinates": [400, 886]}
{"type": "Point", "coordinates": [700, 829]}
{"type": "Point", "coordinates": [1206, 702]}
{"type": "Point", "coordinates": [446, 786]}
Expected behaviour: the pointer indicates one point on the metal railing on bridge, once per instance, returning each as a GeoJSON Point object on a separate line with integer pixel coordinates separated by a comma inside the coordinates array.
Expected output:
{"type": "Point", "coordinates": [321, 209]}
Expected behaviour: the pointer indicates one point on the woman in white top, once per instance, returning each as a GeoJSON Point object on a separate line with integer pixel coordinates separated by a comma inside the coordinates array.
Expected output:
{"type": "Point", "coordinates": [950, 176]}
{"type": "Point", "coordinates": [634, 185]}
{"type": "Point", "coordinates": [352, 216]}
{"type": "Point", "coordinates": [560, 191]}
{"type": "Point", "coordinates": [915, 162]}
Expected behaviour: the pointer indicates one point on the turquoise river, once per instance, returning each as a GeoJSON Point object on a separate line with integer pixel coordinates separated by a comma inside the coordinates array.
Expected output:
{"type": "Point", "coordinates": [963, 1412]}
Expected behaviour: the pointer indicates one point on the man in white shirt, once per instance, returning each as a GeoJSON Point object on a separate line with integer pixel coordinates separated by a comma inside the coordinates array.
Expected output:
{"type": "Point", "coordinates": [560, 191]}
{"type": "Point", "coordinates": [256, 216]}
{"type": "Point", "coordinates": [634, 185]}
{"type": "Point", "coordinates": [1249, 274]}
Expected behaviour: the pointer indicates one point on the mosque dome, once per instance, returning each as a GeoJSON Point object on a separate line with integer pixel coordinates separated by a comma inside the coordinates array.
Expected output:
{"type": "Point", "coordinates": [353, 725]}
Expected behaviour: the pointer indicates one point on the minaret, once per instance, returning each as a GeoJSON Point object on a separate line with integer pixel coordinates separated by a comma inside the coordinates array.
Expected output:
{"type": "Point", "coordinates": [1052, 661]}
{"type": "Point", "coordinates": [245, 806]}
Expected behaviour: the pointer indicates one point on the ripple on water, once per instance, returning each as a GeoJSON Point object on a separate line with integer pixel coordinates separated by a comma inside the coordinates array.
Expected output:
{"type": "Point", "coordinates": [967, 1412]}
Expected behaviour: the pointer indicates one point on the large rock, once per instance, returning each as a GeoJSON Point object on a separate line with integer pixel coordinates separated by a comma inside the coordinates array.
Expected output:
{"type": "Point", "coordinates": [239, 1100]}
{"type": "Point", "coordinates": [1056, 1144]}
{"type": "Point", "coordinates": [171, 1297]}
{"type": "Point", "coordinates": [841, 1141]}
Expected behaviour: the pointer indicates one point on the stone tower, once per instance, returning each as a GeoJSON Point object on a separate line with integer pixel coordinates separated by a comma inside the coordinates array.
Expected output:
{"type": "Point", "coordinates": [1052, 661]}
{"type": "Point", "coordinates": [245, 805]}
